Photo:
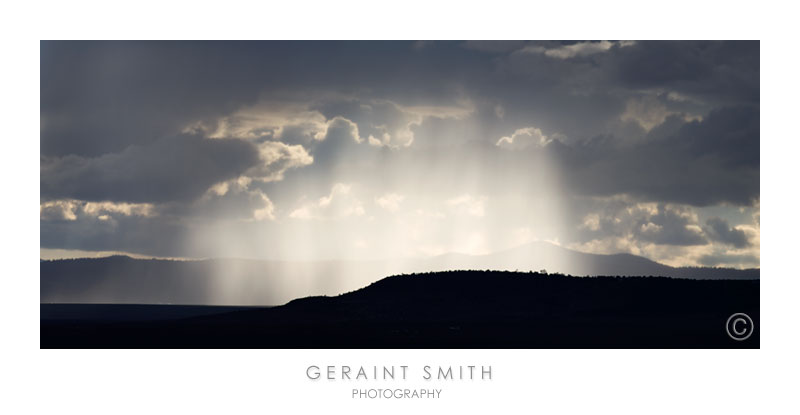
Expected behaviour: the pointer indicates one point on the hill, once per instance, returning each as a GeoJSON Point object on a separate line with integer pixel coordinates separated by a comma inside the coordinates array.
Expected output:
{"type": "Point", "coordinates": [460, 309]}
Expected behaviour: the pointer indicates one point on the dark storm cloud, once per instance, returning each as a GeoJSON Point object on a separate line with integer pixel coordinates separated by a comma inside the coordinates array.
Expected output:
{"type": "Point", "coordinates": [660, 224]}
{"type": "Point", "coordinates": [719, 72]}
{"type": "Point", "coordinates": [668, 227]}
{"type": "Point", "coordinates": [722, 72]}
{"type": "Point", "coordinates": [702, 163]}
{"type": "Point", "coordinates": [155, 236]}
{"type": "Point", "coordinates": [719, 230]}
{"type": "Point", "coordinates": [494, 46]}
{"type": "Point", "coordinates": [176, 168]}
{"type": "Point", "coordinates": [672, 123]}
{"type": "Point", "coordinates": [101, 97]}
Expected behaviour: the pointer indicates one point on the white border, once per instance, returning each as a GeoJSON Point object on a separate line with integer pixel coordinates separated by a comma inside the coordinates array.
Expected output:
{"type": "Point", "coordinates": [530, 381]}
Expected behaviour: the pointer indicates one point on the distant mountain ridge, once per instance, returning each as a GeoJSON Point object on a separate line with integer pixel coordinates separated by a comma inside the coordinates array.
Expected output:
{"type": "Point", "coordinates": [121, 279]}
{"type": "Point", "coordinates": [558, 259]}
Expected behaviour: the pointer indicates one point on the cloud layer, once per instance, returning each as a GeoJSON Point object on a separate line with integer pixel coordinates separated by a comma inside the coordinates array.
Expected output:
{"type": "Point", "coordinates": [392, 149]}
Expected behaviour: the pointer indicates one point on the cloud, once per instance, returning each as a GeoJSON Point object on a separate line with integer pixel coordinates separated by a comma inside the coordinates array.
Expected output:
{"type": "Point", "coordinates": [341, 144]}
{"type": "Point", "coordinates": [701, 163]}
{"type": "Point", "coordinates": [730, 260]}
{"type": "Point", "coordinates": [652, 223]}
{"type": "Point", "coordinates": [390, 201]}
{"type": "Point", "coordinates": [712, 71]}
{"type": "Point", "coordinates": [340, 128]}
{"type": "Point", "coordinates": [388, 123]}
{"type": "Point", "coordinates": [493, 46]}
{"type": "Point", "coordinates": [339, 203]}
{"type": "Point", "coordinates": [176, 168]}
{"type": "Point", "coordinates": [719, 230]}
{"type": "Point", "coordinates": [58, 210]}
{"type": "Point", "coordinates": [649, 112]}
{"type": "Point", "coordinates": [579, 49]}
{"type": "Point", "coordinates": [276, 159]}
{"type": "Point", "coordinates": [468, 205]}
{"type": "Point", "coordinates": [231, 200]}
{"type": "Point", "coordinates": [422, 44]}
{"type": "Point", "coordinates": [223, 142]}
{"type": "Point", "coordinates": [102, 97]}
{"type": "Point", "coordinates": [677, 235]}
{"type": "Point", "coordinates": [524, 137]}
{"type": "Point", "coordinates": [290, 121]}
{"type": "Point", "coordinates": [669, 225]}
{"type": "Point", "coordinates": [127, 209]}
{"type": "Point", "coordinates": [147, 235]}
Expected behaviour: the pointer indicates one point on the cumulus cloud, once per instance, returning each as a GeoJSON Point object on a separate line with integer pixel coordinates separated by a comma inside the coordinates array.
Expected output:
{"type": "Point", "coordinates": [390, 201]}
{"type": "Point", "coordinates": [467, 204]}
{"type": "Point", "coordinates": [276, 159]}
{"type": "Point", "coordinates": [656, 223]}
{"type": "Point", "coordinates": [58, 210]}
{"type": "Point", "coordinates": [677, 235]}
{"type": "Point", "coordinates": [230, 200]}
{"type": "Point", "coordinates": [71, 209]}
{"type": "Point", "coordinates": [387, 123]}
{"type": "Point", "coordinates": [339, 203]}
{"type": "Point", "coordinates": [340, 128]}
{"type": "Point", "coordinates": [649, 112]}
{"type": "Point", "coordinates": [669, 225]}
{"type": "Point", "coordinates": [288, 121]}
{"type": "Point", "coordinates": [524, 137]}
{"type": "Point", "coordinates": [719, 230]}
{"type": "Point", "coordinates": [578, 49]}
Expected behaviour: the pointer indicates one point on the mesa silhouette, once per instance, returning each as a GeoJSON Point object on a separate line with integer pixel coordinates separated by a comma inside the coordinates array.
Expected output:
{"type": "Point", "coordinates": [455, 309]}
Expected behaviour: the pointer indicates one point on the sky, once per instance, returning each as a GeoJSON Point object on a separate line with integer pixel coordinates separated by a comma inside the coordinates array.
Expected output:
{"type": "Point", "coordinates": [299, 150]}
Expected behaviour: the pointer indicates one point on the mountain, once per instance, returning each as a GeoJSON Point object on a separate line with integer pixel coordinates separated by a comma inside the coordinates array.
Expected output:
{"type": "Point", "coordinates": [555, 258]}
{"type": "Point", "coordinates": [455, 309]}
{"type": "Point", "coordinates": [121, 279]}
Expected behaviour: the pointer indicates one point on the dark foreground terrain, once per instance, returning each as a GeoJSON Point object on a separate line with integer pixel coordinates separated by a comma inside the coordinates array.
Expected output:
{"type": "Point", "coordinates": [459, 309]}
